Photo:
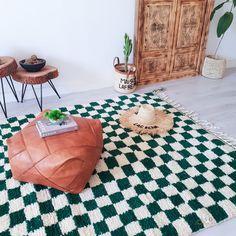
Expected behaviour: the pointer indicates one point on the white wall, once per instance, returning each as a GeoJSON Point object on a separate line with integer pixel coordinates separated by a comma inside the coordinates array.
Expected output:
{"type": "Point", "coordinates": [80, 37]}
{"type": "Point", "coordinates": [227, 48]}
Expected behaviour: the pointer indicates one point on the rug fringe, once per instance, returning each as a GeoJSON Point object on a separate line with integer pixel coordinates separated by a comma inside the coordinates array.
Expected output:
{"type": "Point", "coordinates": [208, 126]}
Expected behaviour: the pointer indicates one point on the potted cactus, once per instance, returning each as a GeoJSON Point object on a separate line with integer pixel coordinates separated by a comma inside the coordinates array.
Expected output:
{"type": "Point", "coordinates": [214, 66]}
{"type": "Point", "coordinates": [55, 116]}
{"type": "Point", "coordinates": [125, 73]}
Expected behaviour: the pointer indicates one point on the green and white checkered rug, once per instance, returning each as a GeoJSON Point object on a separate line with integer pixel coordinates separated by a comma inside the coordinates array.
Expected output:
{"type": "Point", "coordinates": [142, 185]}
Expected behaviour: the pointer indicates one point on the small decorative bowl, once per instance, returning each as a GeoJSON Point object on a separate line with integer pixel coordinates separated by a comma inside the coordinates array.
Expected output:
{"type": "Point", "coordinates": [33, 67]}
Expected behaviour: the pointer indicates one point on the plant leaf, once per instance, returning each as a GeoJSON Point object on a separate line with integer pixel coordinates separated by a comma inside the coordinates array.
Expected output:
{"type": "Point", "coordinates": [128, 46]}
{"type": "Point", "coordinates": [234, 1]}
{"type": "Point", "coordinates": [54, 114]}
{"type": "Point", "coordinates": [224, 23]}
{"type": "Point", "coordinates": [217, 8]}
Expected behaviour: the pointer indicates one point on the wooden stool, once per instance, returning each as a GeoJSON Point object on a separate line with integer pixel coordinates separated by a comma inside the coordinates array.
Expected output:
{"type": "Point", "coordinates": [8, 66]}
{"type": "Point", "coordinates": [32, 78]}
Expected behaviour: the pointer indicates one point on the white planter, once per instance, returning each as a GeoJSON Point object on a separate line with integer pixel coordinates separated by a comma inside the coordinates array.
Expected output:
{"type": "Point", "coordinates": [125, 82]}
{"type": "Point", "coordinates": [214, 68]}
{"type": "Point", "coordinates": [57, 122]}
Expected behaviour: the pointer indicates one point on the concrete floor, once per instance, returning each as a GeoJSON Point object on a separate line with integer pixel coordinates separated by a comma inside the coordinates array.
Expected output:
{"type": "Point", "coordinates": [213, 100]}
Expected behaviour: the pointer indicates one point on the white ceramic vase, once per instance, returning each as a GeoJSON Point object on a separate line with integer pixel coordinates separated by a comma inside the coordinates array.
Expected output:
{"type": "Point", "coordinates": [57, 122]}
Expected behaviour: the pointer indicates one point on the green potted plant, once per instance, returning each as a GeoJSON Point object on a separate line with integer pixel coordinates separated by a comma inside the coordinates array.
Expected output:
{"type": "Point", "coordinates": [55, 116]}
{"type": "Point", "coordinates": [214, 66]}
{"type": "Point", "coordinates": [125, 73]}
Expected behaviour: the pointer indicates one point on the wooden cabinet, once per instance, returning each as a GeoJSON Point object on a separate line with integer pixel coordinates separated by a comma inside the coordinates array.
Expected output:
{"type": "Point", "coordinates": [170, 38]}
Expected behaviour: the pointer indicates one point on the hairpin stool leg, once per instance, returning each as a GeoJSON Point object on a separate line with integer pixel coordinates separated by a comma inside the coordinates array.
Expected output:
{"type": "Point", "coordinates": [39, 100]}
{"type": "Point", "coordinates": [12, 87]}
{"type": "Point", "coordinates": [53, 87]}
{"type": "Point", "coordinates": [3, 106]}
{"type": "Point", "coordinates": [24, 87]}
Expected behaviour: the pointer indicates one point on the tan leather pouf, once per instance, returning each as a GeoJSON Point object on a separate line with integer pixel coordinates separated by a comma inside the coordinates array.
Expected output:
{"type": "Point", "coordinates": [65, 161]}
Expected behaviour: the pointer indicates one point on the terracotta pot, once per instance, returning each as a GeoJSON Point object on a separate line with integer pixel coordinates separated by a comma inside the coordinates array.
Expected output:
{"type": "Point", "coordinates": [214, 67]}
{"type": "Point", "coordinates": [125, 82]}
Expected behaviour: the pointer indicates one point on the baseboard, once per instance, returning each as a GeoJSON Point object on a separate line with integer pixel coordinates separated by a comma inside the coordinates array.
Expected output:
{"type": "Point", "coordinates": [47, 92]}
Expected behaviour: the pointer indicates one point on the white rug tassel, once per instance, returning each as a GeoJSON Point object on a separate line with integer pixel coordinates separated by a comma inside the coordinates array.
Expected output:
{"type": "Point", "coordinates": [207, 125]}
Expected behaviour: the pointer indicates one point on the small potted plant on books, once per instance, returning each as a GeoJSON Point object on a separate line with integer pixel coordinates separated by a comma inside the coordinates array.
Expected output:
{"type": "Point", "coordinates": [55, 116]}
{"type": "Point", "coordinates": [125, 73]}
{"type": "Point", "coordinates": [214, 66]}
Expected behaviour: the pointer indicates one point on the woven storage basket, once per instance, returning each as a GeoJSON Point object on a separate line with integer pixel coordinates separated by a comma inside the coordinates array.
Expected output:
{"type": "Point", "coordinates": [214, 68]}
{"type": "Point", "coordinates": [125, 82]}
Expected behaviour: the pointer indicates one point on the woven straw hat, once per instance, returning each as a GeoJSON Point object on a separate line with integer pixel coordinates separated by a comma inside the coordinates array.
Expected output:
{"type": "Point", "coordinates": [145, 119]}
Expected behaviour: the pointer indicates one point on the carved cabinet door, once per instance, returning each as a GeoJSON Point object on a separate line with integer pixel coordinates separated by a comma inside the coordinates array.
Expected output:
{"type": "Point", "coordinates": [188, 36]}
{"type": "Point", "coordinates": [155, 38]}
{"type": "Point", "coordinates": [170, 38]}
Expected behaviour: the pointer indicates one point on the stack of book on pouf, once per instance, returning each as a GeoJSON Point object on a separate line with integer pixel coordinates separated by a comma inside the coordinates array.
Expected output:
{"type": "Point", "coordinates": [48, 127]}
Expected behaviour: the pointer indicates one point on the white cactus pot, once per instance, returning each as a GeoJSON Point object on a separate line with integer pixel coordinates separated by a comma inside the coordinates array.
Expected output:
{"type": "Point", "coordinates": [125, 82]}
{"type": "Point", "coordinates": [214, 68]}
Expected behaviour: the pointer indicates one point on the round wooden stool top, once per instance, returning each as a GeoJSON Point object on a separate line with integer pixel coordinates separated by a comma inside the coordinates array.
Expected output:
{"type": "Point", "coordinates": [8, 66]}
{"type": "Point", "coordinates": [25, 77]}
